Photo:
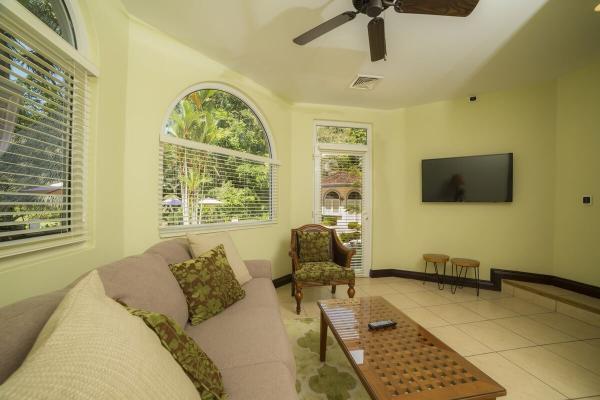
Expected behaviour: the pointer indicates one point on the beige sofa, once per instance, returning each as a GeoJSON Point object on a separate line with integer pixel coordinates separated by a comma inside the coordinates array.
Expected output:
{"type": "Point", "coordinates": [247, 341]}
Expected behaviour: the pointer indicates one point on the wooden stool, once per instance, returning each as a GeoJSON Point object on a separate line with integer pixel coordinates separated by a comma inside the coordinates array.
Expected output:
{"type": "Point", "coordinates": [436, 259]}
{"type": "Point", "coordinates": [466, 264]}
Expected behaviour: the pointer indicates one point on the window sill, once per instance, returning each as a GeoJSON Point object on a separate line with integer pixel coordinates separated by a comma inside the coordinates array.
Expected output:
{"type": "Point", "coordinates": [175, 231]}
{"type": "Point", "coordinates": [34, 245]}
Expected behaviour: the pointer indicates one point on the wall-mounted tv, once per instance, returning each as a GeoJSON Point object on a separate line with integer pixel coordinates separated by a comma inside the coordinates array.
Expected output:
{"type": "Point", "coordinates": [478, 179]}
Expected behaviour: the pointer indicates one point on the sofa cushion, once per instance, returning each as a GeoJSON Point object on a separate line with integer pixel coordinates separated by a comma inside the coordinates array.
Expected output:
{"type": "Point", "coordinates": [203, 373]}
{"type": "Point", "coordinates": [323, 272]}
{"type": "Point", "coordinates": [20, 324]}
{"type": "Point", "coordinates": [208, 283]}
{"type": "Point", "coordinates": [92, 348]}
{"type": "Point", "coordinates": [202, 243]}
{"type": "Point", "coordinates": [172, 250]}
{"type": "Point", "coordinates": [145, 282]}
{"type": "Point", "coordinates": [315, 246]}
{"type": "Point", "coordinates": [265, 381]}
{"type": "Point", "coordinates": [260, 292]}
{"type": "Point", "coordinates": [244, 336]}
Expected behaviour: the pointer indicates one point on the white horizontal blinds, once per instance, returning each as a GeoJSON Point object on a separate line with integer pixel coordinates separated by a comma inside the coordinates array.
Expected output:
{"type": "Point", "coordinates": [341, 190]}
{"type": "Point", "coordinates": [202, 186]}
{"type": "Point", "coordinates": [43, 114]}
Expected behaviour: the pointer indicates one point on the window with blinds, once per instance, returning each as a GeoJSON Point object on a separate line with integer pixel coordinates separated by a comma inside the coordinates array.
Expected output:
{"type": "Point", "coordinates": [43, 117]}
{"type": "Point", "coordinates": [217, 166]}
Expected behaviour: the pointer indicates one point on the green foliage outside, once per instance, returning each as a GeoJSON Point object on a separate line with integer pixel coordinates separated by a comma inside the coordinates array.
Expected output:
{"type": "Point", "coordinates": [354, 225]}
{"type": "Point", "coordinates": [329, 220]}
{"type": "Point", "coordinates": [241, 188]}
{"type": "Point", "coordinates": [339, 135]}
{"type": "Point", "coordinates": [36, 104]}
{"type": "Point", "coordinates": [348, 236]}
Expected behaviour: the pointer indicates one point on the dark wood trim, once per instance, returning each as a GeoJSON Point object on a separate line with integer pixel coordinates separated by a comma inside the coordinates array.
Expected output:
{"type": "Point", "coordinates": [422, 276]}
{"type": "Point", "coordinates": [282, 280]}
{"type": "Point", "coordinates": [496, 277]}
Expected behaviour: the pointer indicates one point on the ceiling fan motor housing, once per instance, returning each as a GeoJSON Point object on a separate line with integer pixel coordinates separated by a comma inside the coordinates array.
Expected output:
{"type": "Point", "coordinates": [370, 7]}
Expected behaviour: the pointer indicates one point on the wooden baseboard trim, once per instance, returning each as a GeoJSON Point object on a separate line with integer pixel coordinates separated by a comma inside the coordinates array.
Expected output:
{"type": "Point", "coordinates": [496, 277]}
{"type": "Point", "coordinates": [282, 280]}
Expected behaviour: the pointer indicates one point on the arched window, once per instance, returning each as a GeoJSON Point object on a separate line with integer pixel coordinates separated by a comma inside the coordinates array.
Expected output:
{"type": "Point", "coordinates": [43, 123]}
{"type": "Point", "coordinates": [55, 15]}
{"type": "Point", "coordinates": [218, 165]}
{"type": "Point", "coordinates": [354, 202]}
{"type": "Point", "coordinates": [332, 201]}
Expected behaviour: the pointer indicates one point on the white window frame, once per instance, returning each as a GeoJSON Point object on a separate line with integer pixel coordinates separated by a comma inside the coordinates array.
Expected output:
{"type": "Point", "coordinates": [180, 230]}
{"type": "Point", "coordinates": [358, 149]}
{"type": "Point", "coordinates": [39, 31]}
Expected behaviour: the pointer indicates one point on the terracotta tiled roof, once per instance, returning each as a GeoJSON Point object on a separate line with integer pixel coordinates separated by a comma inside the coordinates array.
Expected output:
{"type": "Point", "coordinates": [339, 178]}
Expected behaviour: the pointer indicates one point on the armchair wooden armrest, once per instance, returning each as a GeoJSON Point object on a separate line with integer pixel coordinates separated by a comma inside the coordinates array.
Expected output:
{"type": "Point", "coordinates": [342, 255]}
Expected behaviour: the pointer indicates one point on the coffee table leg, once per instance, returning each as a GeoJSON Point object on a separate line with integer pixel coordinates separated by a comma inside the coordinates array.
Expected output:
{"type": "Point", "coordinates": [323, 347]}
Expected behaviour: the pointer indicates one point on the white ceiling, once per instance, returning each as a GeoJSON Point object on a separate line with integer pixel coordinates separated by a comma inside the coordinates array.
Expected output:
{"type": "Point", "coordinates": [503, 43]}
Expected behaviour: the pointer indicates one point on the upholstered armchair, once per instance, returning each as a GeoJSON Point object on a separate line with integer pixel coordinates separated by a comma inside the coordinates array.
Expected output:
{"type": "Point", "coordinates": [319, 259]}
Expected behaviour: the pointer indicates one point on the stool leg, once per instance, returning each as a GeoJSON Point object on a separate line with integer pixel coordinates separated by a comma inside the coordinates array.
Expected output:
{"type": "Point", "coordinates": [442, 279]}
{"type": "Point", "coordinates": [477, 273]}
{"type": "Point", "coordinates": [454, 282]}
{"type": "Point", "coordinates": [425, 271]}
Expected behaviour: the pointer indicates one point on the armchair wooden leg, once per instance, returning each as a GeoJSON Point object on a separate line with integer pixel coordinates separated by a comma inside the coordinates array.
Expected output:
{"type": "Point", "coordinates": [351, 290]}
{"type": "Point", "coordinates": [293, 285]}
{"type": "Point", "coordinates": [332, 289]}
{"type": "Point", "coordinates": [298, 297]}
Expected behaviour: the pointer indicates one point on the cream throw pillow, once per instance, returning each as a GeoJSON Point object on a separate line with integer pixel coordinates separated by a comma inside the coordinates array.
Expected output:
{"type": "Point", "coordinates": [202, 243]}
{"type": "Point", "coordinates": [92, 348]}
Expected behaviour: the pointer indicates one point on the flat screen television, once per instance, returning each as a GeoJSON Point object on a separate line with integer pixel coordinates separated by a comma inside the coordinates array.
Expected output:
{"type": "Point", "coordinates": [477, 179]}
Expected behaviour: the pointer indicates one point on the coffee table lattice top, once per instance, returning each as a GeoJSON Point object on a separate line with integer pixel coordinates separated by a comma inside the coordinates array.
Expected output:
{"type": "Point", "coordinates": [406, 361]}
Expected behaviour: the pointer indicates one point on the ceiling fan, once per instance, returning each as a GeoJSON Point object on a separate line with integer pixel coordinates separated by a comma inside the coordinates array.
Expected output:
{"type": "Point", "coordinates": [373, 8]}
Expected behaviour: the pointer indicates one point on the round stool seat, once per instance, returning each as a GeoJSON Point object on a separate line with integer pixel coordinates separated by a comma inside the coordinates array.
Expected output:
{"type": "Point", "coordinates": [435, 258]}
{"type": "Point", "coordinates": [465, 262]}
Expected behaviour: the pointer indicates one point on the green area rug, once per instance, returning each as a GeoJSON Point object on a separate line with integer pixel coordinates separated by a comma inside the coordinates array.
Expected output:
{"type": "Point", "coordinates": [331, 380]}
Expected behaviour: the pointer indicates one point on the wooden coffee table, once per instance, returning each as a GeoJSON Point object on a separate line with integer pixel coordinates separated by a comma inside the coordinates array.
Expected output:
{"type": "Point", "coordinates": [405, 362]}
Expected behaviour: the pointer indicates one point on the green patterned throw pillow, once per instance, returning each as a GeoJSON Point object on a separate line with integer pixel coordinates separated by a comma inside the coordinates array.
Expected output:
{"type": "Point", "coordinates": [203, 373]}
{"type": "Point", "coordinates": [314, 246]}
{"type": "Point", "coordinates": [208, 283]}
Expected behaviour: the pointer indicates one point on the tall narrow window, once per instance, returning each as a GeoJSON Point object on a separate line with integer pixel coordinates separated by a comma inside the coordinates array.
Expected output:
{"type": "Point", "coordinates": [43, 94]}
{"type": "Point", "coordinates": [217, 162]}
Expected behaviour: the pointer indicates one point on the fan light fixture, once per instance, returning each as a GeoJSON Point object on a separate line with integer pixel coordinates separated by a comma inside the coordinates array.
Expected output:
{"type": "Point", "coordinates": [597, 9]}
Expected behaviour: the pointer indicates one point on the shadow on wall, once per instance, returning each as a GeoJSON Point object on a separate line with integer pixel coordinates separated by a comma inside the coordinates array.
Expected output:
{"type": "Point", "coordinates": [535, 41]}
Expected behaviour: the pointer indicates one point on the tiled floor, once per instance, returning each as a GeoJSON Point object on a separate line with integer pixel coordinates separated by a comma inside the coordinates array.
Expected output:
{"type": "Point", "coordinates": [533, 351]}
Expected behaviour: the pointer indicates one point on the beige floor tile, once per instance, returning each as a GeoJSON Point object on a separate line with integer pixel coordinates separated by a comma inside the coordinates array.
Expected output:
{"type": "Point", "coordinates": [568, 378]}
{"type": "Point", "coordinates": [593, 342]}
{"type": "Point", "coordinates": [579, 313]}
{"type": "Point", "coordinates": [460, 342]}
{"type": "Point", "coordinates": [531, 297]}
{"type": "Point", "coordinates": [424, 317]}
{"type": "Point", "coordinates": [589, 398]}
{"type": "Point", "coordinates": [535, 331]}
{"type": "Point", "coordinates": [489, 310]}
{"type": "Point", "coordinates": [520, 306]}
{"type": "Point", "coordinates": [568, 325]}
{"type": "Point", "coordinates": [401, 301]}
{"type": "Point", "coordinates": [494, 336]}
{"type": "Point", "coordinates": [519, 384]}
{"type": "Point", "coordinates": [428, 298]}
{"type": "Point", "coordinates": [460, 296]}
{"type": "Point", "coordinates": [408, 286]}
{"type": "Point", "coordinates": [508, 288]}
{"type": "Point", "coordinates": [378, 289]}
{"type": "Point", "coordinates": [493, 295]}
{"type": "Point", "coordinates": [580, 353]}
{"type": "Point", "coordinates": [455, 313]}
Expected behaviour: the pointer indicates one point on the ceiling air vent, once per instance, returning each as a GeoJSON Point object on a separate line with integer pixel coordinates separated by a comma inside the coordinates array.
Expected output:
{"type": "Point", "coordinates": [365, 82]}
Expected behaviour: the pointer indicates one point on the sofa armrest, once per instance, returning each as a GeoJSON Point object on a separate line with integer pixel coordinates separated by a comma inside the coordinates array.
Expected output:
{"type": "Point", "coordinates": [259, 268]}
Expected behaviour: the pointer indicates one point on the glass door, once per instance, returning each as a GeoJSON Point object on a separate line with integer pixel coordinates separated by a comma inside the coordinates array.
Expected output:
{"type": "Point", "coordinates": [342, 189]}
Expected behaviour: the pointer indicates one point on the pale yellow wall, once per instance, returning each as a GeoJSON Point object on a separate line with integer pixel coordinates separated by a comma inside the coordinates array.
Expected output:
{"type": "Point", "coordinates": [515, 235]}
{"type": "Point", "coordinates": [36, 273]}
{"type": "Point", "coordinates": [160, 69]}
{"type": "Point", "coordinates": [577, 227]}
{"type": "Point", "coordinates": [500, 235]}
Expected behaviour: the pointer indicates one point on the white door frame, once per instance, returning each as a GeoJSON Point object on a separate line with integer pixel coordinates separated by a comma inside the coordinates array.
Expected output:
{"type": "Point", "coordinates": [358, 149]}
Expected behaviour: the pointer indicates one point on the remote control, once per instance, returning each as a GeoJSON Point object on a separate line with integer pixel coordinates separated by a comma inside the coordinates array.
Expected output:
{"type": "Point", "coordinates": [381, 324]}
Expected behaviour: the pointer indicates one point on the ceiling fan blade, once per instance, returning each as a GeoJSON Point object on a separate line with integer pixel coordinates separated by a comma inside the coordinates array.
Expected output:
{"type": "Point", "coordinates": [451, 8]}
{"type": "Point", "coordinates": [325, 27]}
{"type": "Point", "coordinates": [377, 39]}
